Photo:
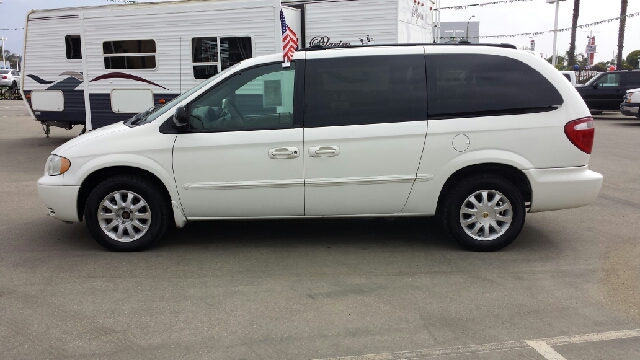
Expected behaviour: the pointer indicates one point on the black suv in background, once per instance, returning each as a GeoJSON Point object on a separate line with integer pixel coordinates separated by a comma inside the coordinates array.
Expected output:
{"type": "Point", "coordinates": [606, 91]}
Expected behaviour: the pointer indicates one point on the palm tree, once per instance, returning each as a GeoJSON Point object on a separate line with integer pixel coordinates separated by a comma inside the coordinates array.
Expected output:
{"type": "Point", "coordinates": [574, 26]}
{"type": "Point", "coordinates": [623, 23]}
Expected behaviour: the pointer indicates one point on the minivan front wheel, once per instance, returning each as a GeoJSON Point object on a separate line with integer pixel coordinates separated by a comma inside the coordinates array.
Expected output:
{"type": "Point", "coordinates": [484, 213]}
{"type": "Point", "coordinates": [126, 213]}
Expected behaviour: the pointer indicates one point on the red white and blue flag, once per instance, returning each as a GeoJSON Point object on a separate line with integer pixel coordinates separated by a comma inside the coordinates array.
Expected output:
{"type": "Point", "coordinates": [289, 40]}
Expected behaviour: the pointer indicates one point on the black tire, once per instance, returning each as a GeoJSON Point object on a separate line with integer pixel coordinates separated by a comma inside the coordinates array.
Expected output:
{"type": "Point", "coordinates": [14, 85]}
{"type": "Point", "coordinates": [157, 209]}
{"type": "Point", "coordinates": [496, 185]}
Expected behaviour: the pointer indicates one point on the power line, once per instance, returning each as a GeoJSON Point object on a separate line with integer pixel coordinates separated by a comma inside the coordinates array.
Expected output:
{"type": "Point", "coordinates": [551, 31]}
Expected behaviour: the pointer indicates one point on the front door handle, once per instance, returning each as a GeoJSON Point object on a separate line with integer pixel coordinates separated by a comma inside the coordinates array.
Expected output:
{"type": "Point", "coordinates": [324, 151]}
{"type": "Point", "coordinates": [284, 153]}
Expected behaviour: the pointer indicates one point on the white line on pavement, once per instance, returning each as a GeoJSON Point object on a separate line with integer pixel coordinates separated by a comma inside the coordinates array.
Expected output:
{"type": "Point", "coordinates": [540, 346]}
{"type": "Point", "coordinates": [545, 350]}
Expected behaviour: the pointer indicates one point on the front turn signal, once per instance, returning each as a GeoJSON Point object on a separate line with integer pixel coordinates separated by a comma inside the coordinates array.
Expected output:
{"type": "Point", "coordinates": [57, 165]}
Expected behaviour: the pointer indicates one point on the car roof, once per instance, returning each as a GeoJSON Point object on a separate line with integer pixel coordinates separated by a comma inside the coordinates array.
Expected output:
{"type": "Point", "coordinates": [321, 47]}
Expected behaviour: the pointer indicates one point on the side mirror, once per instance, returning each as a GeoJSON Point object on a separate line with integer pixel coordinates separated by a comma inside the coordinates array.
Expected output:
{"type": "Point", "coordinates": [595, 86]}
{"type": "Point", "coordinates": [181, 118]}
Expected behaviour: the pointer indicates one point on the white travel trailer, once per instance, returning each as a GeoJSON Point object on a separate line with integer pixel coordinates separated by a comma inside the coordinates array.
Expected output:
{"type": "Point", "coordinates": [98, 65]}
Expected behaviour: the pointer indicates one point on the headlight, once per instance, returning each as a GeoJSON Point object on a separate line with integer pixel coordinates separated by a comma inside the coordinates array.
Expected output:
{"type": "Point", "coordinates": [57, 165]}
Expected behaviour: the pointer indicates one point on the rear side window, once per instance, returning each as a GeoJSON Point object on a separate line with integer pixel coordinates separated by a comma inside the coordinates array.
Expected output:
{"type": "Point", "coordinates": [72, 47]}
{"type": "Point", "coordinates": [633, 78]}
{"type": "Point", "coordinates": [474, 85]}
{"type": "Point", "coordinates": [365, 90]}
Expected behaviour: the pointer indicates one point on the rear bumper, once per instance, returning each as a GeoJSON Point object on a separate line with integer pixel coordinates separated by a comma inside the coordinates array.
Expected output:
{"type": "Point", "coordinates": [60, 200]}
{"type": "Point", "coordinates": [630, 109]}
{"type": "Point", "coordinates": [563, 188]}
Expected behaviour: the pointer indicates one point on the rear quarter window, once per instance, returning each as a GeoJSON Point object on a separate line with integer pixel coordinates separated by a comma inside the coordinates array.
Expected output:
{"type": "Point", "coordinates": [474, 85]}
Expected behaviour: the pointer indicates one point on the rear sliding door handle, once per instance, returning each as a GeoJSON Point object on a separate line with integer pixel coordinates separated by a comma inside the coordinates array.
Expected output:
{"type": "Point", "coordinates": [284, 153]}
{"type": "Point", "coordinates": [324, 151]}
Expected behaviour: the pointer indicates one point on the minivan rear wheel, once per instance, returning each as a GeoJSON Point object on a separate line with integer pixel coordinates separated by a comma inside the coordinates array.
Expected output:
{"type": "Point", "coordinates": [484, 213]}
{"type": "Point", "coordinates": [126, 213]}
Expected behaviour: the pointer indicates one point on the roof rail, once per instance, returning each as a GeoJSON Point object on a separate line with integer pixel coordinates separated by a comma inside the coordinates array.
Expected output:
{"type": "Point", "coordinates": [322, 47]}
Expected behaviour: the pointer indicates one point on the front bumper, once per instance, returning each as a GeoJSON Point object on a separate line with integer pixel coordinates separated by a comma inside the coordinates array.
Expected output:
{"type": "Point", "coordinates": [630, 109]}
{"type": "Point", "coordinates": [60, 200]}
{"type": "Point", "coordinates": [563, 188]}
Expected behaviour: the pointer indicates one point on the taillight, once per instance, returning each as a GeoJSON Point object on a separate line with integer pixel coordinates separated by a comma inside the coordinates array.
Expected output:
{"type": "Point", "coordinates": [580, 132]}
{"type": "Point", "coordinates": [4, 77]}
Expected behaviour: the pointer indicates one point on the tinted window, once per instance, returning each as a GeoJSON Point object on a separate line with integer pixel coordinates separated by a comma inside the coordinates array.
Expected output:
{"type": "Point", "coordinates": [5, 71]}
{"type": "Point", "coordinates": [469, 85]}
{"type": "Point", "coordinates": [233, 50]}
{"type": "Point", "coordinates": [130, 62]}
{"type": "Point", "coordinates": [211, 55]}
{"type": "Point", "coordinates": [567, 76]}
{"type": "Point", "coordinates": [72, 46]}
{"type": "Point", "coordinates": [129, 47]}
{"type": "Point", "coordinates": [365, 90]}
{"type": "Point", "coordinates": [633, 78]}
{"type": "Point", "coordinates": [129, 54]}
{"type": "Point", "coordinates": [205, 50]}
{"type": "Point", "coordinates": [258, 98]}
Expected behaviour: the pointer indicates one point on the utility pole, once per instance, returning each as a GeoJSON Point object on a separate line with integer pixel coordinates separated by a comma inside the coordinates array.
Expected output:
{"type": "Point", "coordinates": [555, 31]}
{"type": "Point", "coordinates": [4, 60]}
{"type": "Point", "coordinates": [467, 33]}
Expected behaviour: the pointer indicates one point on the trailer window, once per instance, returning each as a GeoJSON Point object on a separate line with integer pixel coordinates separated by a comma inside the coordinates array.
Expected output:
{"type": "Point", "coordinates": [73, 47]}
{"type": "Point", "coordinates": [129, 54]}
{"type": "Point", "coordinates": [210, 55]}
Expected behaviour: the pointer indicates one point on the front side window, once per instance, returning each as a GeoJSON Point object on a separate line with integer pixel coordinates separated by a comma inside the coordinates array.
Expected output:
{"type": "Point", "coordinates": [609, 80]}
{"type": "Point", "coordinates": [474, 85]}
{"type": "Point", "coordinates": [254, 99]}
{"type": "Point", "coordinates": [210, 55]}
{"type": "Point", "coordinates": [365, 90]}
{"type": "Point", "coordinates": [129, 54]}
{"type": "Point", "coordinates": [73, 47]}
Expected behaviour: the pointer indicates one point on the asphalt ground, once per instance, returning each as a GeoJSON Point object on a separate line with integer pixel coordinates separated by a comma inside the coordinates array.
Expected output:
{"type": "Point", "coordinates": [567, 288]}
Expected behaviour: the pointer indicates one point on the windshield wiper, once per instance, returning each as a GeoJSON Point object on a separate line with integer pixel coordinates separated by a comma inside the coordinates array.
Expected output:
{"type": "Point", "coordinates": [136, 119]}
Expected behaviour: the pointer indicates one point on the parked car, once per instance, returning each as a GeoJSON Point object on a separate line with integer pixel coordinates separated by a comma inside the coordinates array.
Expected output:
{"type": "Point", "coordinates": [630, 105]}
{"type": "Point", "coordinates": [571, 76]}
{"type": "Point", "coordinates": [10, 78]}
{"type": "Point", "coordinates": [340, 132]}
{"type": "Point", "coordinates": [605, 91]}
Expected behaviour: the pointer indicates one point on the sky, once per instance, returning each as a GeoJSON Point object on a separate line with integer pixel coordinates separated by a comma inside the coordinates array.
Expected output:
{"type": "Point", "coordinates": [500, 19]}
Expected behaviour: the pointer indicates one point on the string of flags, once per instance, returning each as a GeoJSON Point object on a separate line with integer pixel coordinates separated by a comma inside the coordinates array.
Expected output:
{"type": "Point", "coordinates": [551, 31]}
{"type": "Point", "coordinates": [462, 7]}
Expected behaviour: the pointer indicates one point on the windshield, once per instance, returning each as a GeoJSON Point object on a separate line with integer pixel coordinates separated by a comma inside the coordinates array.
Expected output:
{"type": "Point", "coordinates": [155, 112]}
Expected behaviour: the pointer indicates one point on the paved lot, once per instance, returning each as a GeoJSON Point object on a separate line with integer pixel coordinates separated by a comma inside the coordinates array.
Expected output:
{"type": "Point", "coordinates": [568, 288]}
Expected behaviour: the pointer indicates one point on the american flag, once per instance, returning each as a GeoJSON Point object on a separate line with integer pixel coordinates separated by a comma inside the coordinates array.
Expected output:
{"type": "Point", "coordinates": [289, 40]}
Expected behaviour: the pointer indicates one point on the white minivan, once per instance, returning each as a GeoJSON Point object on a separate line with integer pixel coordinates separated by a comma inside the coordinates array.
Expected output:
{"type": "Point", "coordinates": [477, 134]}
